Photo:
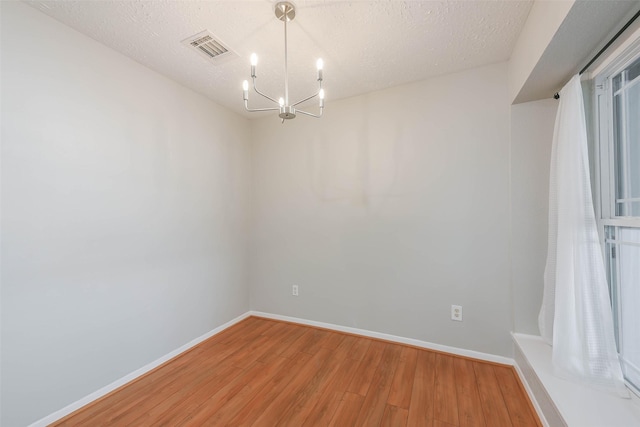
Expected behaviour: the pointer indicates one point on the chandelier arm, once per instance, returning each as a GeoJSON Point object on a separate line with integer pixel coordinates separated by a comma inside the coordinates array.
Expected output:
{"type": "Point", "coordinates": [253, 110]}
{"type": "Point", "coordinates": [262, 94]}
{"type": "Point", "coordinates": [317, 116]}
{"type": "Point", "coordinates": [306, 99]}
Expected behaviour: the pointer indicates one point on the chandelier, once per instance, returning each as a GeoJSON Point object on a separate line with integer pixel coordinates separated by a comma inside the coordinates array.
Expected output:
{"type": "Point", "coordinates": [285, 12]}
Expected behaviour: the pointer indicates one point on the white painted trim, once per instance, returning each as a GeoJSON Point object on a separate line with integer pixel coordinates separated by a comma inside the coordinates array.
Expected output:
{"type": "Point", "coordinates": [621, 55]}
{"type": "Point", "coordinates": [532, 396]}
{"type": "Point", "coordinates": [43, 422]}
{"type": "Point", "coordinates": [393, 338]}
{"type": "Point", "coordinates": [575, 403]}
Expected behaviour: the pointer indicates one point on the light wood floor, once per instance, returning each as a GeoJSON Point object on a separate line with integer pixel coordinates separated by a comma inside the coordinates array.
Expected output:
{"type": "Point", "coordinates": [267, 373]}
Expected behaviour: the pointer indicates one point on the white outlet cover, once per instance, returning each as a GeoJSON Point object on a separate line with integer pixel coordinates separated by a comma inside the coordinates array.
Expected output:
{"type": "Point", "coordinates": [456, 313]}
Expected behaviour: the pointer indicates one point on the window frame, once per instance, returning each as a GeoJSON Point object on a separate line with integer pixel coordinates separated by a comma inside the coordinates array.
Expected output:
{"type": "Point", "coordinates": [605, 172]}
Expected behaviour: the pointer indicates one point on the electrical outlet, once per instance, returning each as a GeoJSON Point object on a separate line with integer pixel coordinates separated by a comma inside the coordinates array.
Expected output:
{"type": "Point", "coordinates": [456, 313]}
{"type": "Point", "coordinates": [294, 290]}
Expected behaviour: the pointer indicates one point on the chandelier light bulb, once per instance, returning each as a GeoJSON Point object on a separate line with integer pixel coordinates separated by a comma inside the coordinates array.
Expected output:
{"type": "Point", "coordinates": [281, 102]}
{"type": "Point", "coordinates": [320, 64]}
{"type": "Point", "coordinates": [245, 90]}
{"type": "Point", "coordinates": [254, 62]}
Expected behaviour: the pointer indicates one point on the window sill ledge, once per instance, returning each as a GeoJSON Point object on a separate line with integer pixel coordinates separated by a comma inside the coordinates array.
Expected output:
{"type": "Point", "coordinates": [563, 402]}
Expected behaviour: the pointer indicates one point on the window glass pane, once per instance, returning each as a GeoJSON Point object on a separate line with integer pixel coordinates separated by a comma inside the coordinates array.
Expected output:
{"type": "Point", "coordinates": [618, 138]}
{"type": "Point", "coordinates": [629, 287]}
{"type": "Point", "coordinates": [633, 141]}
{"type": "Point", "coordinates": [634, 71]}
{"type": "Point", "coordinates": [626, 114]}
{"type": "Point", "coordinates": [623, 246]}
{"type": "Point", "coordinates": [617, 82]}
{"type": "Point", "coordinates": [612, 273]}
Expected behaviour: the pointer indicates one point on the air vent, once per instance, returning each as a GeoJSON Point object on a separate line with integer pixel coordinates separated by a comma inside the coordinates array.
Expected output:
{"type": "Point", "coordinates": [209, 46]}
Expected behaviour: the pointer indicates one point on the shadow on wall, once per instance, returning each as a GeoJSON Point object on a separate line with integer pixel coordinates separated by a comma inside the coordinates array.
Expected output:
{"type": "Point", "coordinates": [356, 166]}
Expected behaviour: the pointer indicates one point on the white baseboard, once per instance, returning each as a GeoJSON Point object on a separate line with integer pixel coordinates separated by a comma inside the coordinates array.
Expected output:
{"type": "Point", "coordinates": [393, 338]}
{"type": "Point", "coordinates": [43, 422]}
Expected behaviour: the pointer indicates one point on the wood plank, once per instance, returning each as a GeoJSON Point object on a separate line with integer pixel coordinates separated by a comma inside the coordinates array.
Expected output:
{"type": "Point", "coordinates": [305, 399]}
{"type": "Point", "coordinates": [422, 395]}
{"type": "Point", "coordinates": [176, 401]}
{"type": "Point", "coordinates": [248, 352]}
{"type": "Point", "coordinates": [162, 373]}
{"type": "Point", "coordinates": [299, 344]}
{"type": "Point", "coordinates": [445, 407]}
{"type": "Point", "coordinates": [277, 329]}
{"type": "Point", "coordinates": [346, 346]}
{"type": "Point", "coordinates": [360, 348]}
{"type": "Point", "coordinates": [262, 348]}
{"type": "Point", "coordinates": [241, 329]}
{"type": "Point", "coordinates": [375, 402]}
{"type": "Point", "coordinates": [310, 376]}
{"type": "Point", "coordinates": [165, 396]}
{"type": "Point", "coordinates": [231, 397]}
{"type": "Point", "coordinates": [469, 405]}
{"type": "Point", "coordinates": [402, 385]}
{"type": "Point", "coordinates": [238, 329]}
{"type": "Point", "coordinates": [437, 423]}
{"type": "Point", "coordinates": [348, 410]}
{"type": "Point", "coordinates": [362, 380]}
{"type": "Point", "coordinates": [394, 417]}
{"type": "Point", "coordinates": [133, 394]}
{"type": "Point", "coordinates": [520, 411]}
{"type": "Point", "coordinates": [248, 413]}
{"type": "Point", "coordinates": [333, 340]}
{"type": "Point", "coordinates": [291, 334]}
{"type": "Point", "coordinates": [319, 336]}
{"type": "Point", "coordinates": [324, 409]}
{"type": "Point", "coordinates": [493, 405]}
{"type": "Point", "coordinates": [254, 330]}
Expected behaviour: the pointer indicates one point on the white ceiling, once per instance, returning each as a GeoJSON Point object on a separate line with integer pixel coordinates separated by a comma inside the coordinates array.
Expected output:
{"type": "Point", "coordinates": [366, 45]}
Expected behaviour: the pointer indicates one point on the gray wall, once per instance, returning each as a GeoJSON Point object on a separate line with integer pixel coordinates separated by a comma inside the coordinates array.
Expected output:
{"type": "Point", "coordinates": [388, 210]}
{"type": "Point", "coordinates": [531, 137]}
{"type": "Point", "coordinates": [124, 215]}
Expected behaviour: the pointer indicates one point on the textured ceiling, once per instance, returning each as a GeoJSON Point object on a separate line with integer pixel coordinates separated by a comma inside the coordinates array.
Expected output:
{"type": "Point", "coordinates": [366, 45]}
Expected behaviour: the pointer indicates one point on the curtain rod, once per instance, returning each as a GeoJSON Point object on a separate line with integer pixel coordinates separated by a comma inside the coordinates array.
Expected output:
{"type": "Point", "coordinates": [606, 46]}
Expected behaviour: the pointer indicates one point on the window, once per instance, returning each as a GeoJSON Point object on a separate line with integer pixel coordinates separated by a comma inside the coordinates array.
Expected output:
{"type": "Point", "coordinates": [626, 140]}
{"type": "Point", "coordinates": [618, 201]}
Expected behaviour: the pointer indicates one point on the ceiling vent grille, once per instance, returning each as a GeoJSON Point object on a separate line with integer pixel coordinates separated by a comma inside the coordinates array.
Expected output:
{"type": "Point", "coordinates": [207, 45]}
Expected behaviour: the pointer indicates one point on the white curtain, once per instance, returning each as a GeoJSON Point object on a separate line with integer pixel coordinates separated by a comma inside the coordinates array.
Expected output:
{"type": "Point", "coordinates": [576, 316]}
